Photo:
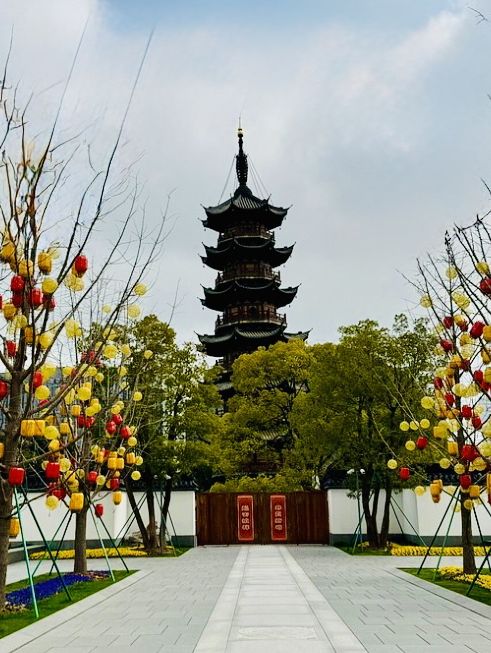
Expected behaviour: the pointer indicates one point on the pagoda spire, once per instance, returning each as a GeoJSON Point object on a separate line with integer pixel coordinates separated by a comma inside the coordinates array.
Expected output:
{"type": "Point", "coordinates": [241, 164]}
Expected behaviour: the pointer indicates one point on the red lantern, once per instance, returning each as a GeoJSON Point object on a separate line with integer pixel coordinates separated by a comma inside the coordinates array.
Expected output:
{"type": "Point", "coordinates": [449, 399]}
{"type": "Point", "coordinates": [59, 493]}
{"type": "Point", "coordinates": [81, 421]}
{"type": "Point", "coordinates": [117, 419]}
{"type": "Point", "coordinates": [17, 299]}
{"type": "Point", "coordinates": [52, 471]}
{"type": "Point", "coordinates": [49, 302]}
{"type": "Point", "coordinates": [404, 473]}
{"type": "Point", "coordinates": [89, 422]}
{"type": "Point", "coordinates": [4, 389]}
{"type": "Point", "coordinates": [465, 365]}
{"type": "Point", "coordinates": [16, 476]}
{"type": "Point", "coordinates": [476, 422]}
{"type": "Point", "coordinates": [92, 477]}
{"type": "Point", "coordinates": [37, 379]}
{"type": "Point", "coordinates": [469, 452]}
{"type": "Point", "coordinates": [125, 432]}
{"type": "Point", "coordinates": [10, 348]}
{"type": "Point", "coordinates": [465, 481]}
{"type": "Point", "coordinates": [80, 265]}
{"type": "Point", "coordinates": [17, 284]}
{"type": "Point", "coordinates": [476, 329]}
{"type": "Point", "coordinates": [36, 297]}
{"type": "Point", "coordinates": [99, 510]}
{"type": "Point", "coordinates": [114, 484]}
{"type": "Point", "coordinates": [422, 442]}
{"type": "Point", "coordinates": [478, 376]}
{"type": "Point", "coordinates": [466, 412]}
{"type": "Point", "coordinates": [111, 427]}
{"type": "Point", "coordinates": [447, 321]}
{"type": "Point", "coordinates": [438, 383]}
{"type": "Point", "coordinates": [485, 286]}
{"type": "Point", "coordinates": [447, 345]}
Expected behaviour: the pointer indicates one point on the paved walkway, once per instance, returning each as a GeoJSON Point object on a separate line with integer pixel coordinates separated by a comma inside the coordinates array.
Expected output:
{"type": "Point", "coordinates": [263, 598]}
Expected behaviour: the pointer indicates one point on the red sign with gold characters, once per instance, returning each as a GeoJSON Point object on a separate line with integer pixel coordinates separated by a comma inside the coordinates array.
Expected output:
{"type": "Point", "coordinates": [245, 518]}
{"type": "Point", "coordinates": [277, 507]}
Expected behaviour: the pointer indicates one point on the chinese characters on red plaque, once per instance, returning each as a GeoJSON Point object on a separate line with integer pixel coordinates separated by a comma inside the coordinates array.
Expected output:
{"type": "Point", "coordinates": [245, 518]}
{"type": "Point", "coordinates": [277, 507]}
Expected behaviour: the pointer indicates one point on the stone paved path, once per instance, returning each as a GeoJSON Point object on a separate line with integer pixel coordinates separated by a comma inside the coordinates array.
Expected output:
{"type": "Point", "coordinates": [263, 598]}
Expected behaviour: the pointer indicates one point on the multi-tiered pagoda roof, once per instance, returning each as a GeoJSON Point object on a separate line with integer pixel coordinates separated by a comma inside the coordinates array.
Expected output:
{"type": "Point", "coordinates": [247, 289]}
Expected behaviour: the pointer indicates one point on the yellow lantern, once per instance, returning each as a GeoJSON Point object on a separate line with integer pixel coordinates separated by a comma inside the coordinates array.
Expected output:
{"type": "Point", "coordinates": [45, 340]}
{"type": "Point", "coordinates": [419, 490]}
{"type": "Point", "coordinates": [9, 311]}
{"type": "Point", "coordinates": [45, 262]}
{"type": "Point", "coordinates": [117, 497]}
{"type": "Point", "coordinates": [425, 301]}
{"type": "Point", "coordinates": [138, 460]}
{"type": "Point", "coordinates": [435, 491]}
{"type": "Point", "coordinates": [76, 410]}
{"type": "Point", "coordinates": [136, 476]}
{"type": "Point", "coordinates": [474, 491]}
{"type": "Point", "coordinates": [132, 441]}
{"type": "Point", "coordinates": [26, 268]}
{"type": "Point", "coordinates": [7, 253]}
{"type": "Point", "coordinates": [51, 433]}
{"type": "Point", "coordinates": [452, 448]}
{"type": "Point", "coordinates": [126, 350]}
{"type": "Point", "coordinates": [52, 502]}
{"type": "Point", "coordinates": [42, 392]}
{"type": "Point", "coordinates": [137, 396]}
{"type": "Point", "coordinates": [27, 428]}
{"type": "Point", "coordinates": [101, 479]}
{"type": "Point", "coordinates": [65, 428]}
{"type": "Point", "coordinates": [2, 450]}
{"type": "Point", "coordinates": [76, 501]}
{"type": "Point", "coordinates": [134, 311]}
{"type": "Point", "coordinates": [140, 289]}
{"type": "Point", "coordinates": [110, 351]}
{"type": "Point", "coordinates": [14, 527]}
{"type": "Point", "coordinates": [459, 468]}
{"type": "Point", "coordinates": [410, 445]}
{"type": "Point", "coordinates": [112, 463]}
{"type": "Point", "coordinates": [482, 267]}
{"type": "Point", "coordinates": [130, 458]}
{"type": "Point", "coordinates": [54, 445]}
{"type": "Point", "coordinates": [84, 393]}
{"type": "Point", "coordinates": [468, 505]}
{"type": "Point", "coordinates": [404, 426]}
{"type": "Point", "coordinates": [119, 463]}
{"type": "Point", "coordinates": [445, 463]}
{"type": "Point", "coordinates": [148, 353]}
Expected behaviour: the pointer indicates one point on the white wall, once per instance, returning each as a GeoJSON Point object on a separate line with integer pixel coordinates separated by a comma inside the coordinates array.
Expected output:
{"type": "Point", "coordinates": [420, 514]}
{"type": "Point", "coordinates": [181, 511]}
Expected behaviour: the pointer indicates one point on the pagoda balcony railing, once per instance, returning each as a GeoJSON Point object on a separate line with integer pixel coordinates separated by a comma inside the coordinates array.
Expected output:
{"type": "Point", "coordinates": [251, 271]}
{"type": "Point", "coordinates": [245, 317]}
{"type": "Point", "coordinates": [252, 229]}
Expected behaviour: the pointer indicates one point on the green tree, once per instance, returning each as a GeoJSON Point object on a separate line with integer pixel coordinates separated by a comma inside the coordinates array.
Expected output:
{"type": "Point", "coordinates": [360, 390]}
{"type": "Point", "coordinates": [179, 418]}
{"type": "Point", "coordinates": [257, 431]}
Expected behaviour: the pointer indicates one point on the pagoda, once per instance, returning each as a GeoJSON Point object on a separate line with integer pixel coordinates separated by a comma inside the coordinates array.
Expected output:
{"type": "Point", "coordinates": [247, 292]}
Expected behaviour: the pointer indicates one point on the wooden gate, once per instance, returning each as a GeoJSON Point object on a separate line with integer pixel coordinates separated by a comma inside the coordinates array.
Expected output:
{"type": "Point", "coordinates": [236, 518]}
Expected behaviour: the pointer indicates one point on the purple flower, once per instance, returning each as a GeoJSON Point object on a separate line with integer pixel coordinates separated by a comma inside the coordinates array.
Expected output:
{"type": "Point", "coordinates": [47, 588]}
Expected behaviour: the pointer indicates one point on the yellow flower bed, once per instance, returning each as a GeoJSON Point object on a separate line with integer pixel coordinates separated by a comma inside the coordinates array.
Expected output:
{"type": "Point", "coordinates": [69, 554]}
{"type": "Point", "coordinates": [456, 573]}
{"type": "Point", "coordinates": [397, 550]}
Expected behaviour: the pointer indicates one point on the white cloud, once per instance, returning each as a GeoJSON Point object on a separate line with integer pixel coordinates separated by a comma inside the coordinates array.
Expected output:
{"type": "Point", "coordinates": [338, 121]}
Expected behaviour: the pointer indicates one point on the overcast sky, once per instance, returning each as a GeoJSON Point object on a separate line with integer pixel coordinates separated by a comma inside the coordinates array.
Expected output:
{"type": "Point", "coordinates": [370, 117]}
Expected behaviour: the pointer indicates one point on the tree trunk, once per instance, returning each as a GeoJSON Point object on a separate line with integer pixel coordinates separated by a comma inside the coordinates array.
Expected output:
{"type": "Point", "coordinates": [165, 509]}
{"type": "Point", "coordinates": [370, 519]}
{"type": "Point", "coordinates": [153, 540]}
{"type": "Point", "coordinates": [80, 561]}
{"type": "Point", "coordinates": [468, 558]}
{"type": "Point", "coordinates": [384, 529]}
{"type": "Point", "coordinates": [5, 512]}
{"type": "Point", "coordinates": [136, 511]}
{"type": "Point", "coordinates": [6, 492]}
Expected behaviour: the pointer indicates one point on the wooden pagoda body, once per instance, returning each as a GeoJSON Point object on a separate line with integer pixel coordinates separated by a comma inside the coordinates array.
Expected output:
{"type": "Point", "coordinates": [247, 292]}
